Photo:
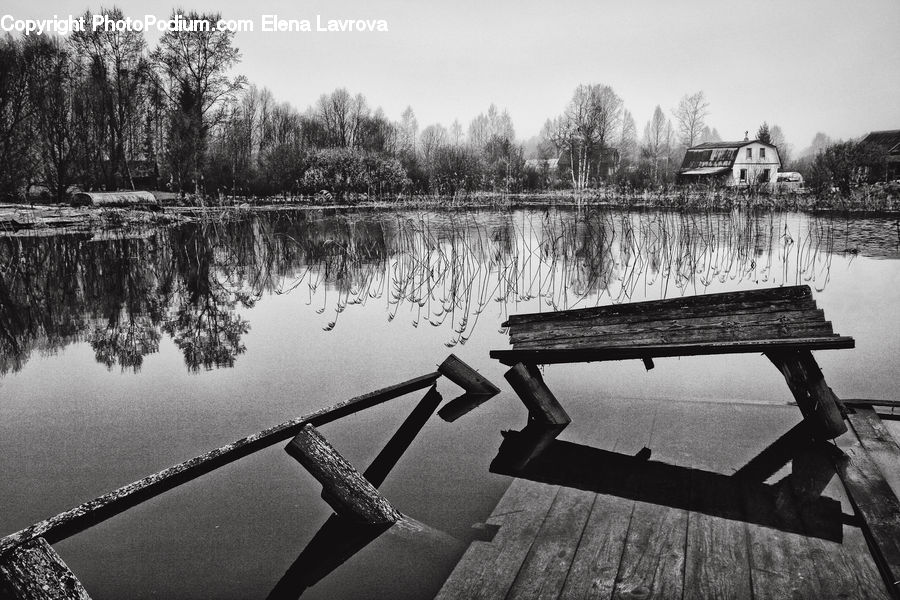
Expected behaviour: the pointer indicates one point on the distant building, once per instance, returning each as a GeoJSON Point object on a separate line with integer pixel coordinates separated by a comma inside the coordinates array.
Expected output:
{"type": "Point", "coordinates": [745, 163]}
{"type": "Point", "coordinates": [886, 146]}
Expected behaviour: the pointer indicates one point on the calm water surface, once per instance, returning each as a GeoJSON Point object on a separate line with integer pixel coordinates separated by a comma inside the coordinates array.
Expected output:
{"type": "Point", "coordinates": [123, 354]}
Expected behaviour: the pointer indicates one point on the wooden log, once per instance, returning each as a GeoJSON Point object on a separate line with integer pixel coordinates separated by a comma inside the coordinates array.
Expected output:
{"type": "Point", "coordinates": [345, 490]}
{"type": "Point", "coordinates": [726, 299]}
{"type": "Point", "coordinates": [466, 377]}
{"type": "Point", "coordinates": [627, 352]}
{"type": "Point", "coordinates": [542, 405]}
{"type": "Point", "coordinates": [815, 399]}
{"type": "Point", "coordinates": [34, 571]}
{"type": "Point", "coordinates": [103, 507]}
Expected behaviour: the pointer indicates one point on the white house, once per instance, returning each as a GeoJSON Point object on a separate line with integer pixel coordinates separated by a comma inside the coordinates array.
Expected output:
{"type": "Point", "coordinates": [746, 163]}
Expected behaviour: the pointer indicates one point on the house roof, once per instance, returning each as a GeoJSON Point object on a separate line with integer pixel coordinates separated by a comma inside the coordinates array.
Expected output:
{"type": "Point", "coordinates": [739, 144]}
{"type": "Point", "coordinates": [706, 171]}
{"type": "Point", "coordinates": [887, 141]}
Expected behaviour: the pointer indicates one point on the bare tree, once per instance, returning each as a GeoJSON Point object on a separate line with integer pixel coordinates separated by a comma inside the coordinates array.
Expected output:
{"type": "Point", "coordinates": [657, 142]}
{"type": "Point", "coordinates": [691, 117]}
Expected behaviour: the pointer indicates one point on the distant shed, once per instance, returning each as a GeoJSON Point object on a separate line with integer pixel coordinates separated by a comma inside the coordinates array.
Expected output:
{"type": "Point", "coordinates": [114, 199]}
{"type": "Point", "coordinates": [886, 145]}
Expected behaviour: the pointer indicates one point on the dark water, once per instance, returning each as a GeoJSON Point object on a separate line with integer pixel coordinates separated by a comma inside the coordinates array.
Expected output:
{"type": "Point", "coordinates": [122, 355]}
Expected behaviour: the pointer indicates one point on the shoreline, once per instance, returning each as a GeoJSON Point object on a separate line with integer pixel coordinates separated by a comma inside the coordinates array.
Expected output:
{"type": "Point", "coordinates": [26, 220]}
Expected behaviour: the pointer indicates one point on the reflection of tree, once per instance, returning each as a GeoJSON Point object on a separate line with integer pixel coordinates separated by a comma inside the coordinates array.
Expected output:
{"type": "Point", "coordinates": [444, 269]}
{"type": "Point", "coordinates": [125, 344]}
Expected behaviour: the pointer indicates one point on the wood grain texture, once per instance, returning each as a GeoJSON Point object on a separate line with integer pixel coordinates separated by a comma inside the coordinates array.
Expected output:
{"type": "Point", "coordinates": [94, 511]}
{"type": "Point", "coordinates": [345, 490]}
{"type": "Point", "coordinates": [487, 569]}
{"type": "Point", "coordinates": [817, 402]}
{"type": "Point", "coordinates": [466, 377]}
{"type": "Point", "coordinates": [527, 382]}
{"type": "Point", "coordinates": [34, 571]}
{"type": "Point", "coordinates": [639, 351]}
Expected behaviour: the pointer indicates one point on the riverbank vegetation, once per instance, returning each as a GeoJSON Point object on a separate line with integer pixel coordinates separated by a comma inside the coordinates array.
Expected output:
{"type": "Point", "coordinates": [101, 110]}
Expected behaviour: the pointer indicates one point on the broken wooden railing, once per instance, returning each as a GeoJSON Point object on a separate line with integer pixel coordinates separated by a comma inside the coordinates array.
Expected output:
{"type": "Point", "coordinates": [31, 569]}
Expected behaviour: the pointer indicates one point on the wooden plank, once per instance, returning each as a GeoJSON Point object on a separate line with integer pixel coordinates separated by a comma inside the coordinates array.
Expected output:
{"type": "Point", "coordinates": [747, 310]}
{"type": "Point", "coordinates": [551, 329]}
{"type": "Point", "coordinates": [879, 444]}
{"type": "Point", "coordinates": [527, 382]}
{"type": "Point", "coordinates": [345, 490]}
{"type": "Point", "coordinates": [819, 405]}
{"type": "Point", "coordinates": [466, 377]}
{"type": "Point", "coordinates": [878, 507]}
{"type": "Point", "coordinates": [781, 564]}
{"type": "Point", "coordinates": [678, 335]}
{"type": "Point", "coordinates": [845, 568]}
{"type": "Point", "coordinates": [547, 564]}
{"type": "Point", "coordinates": [720, 299]}
{"type": "Point", "coordinates": [34, 571]}
{"type": "Point", "coordinates": [569, 355]}
{"type": "Point", "coordinates": [870, 402]}
{"type": "Point", "coordinates": [487, 569]}
{"type": "Point", "coordinates": [103, 507]}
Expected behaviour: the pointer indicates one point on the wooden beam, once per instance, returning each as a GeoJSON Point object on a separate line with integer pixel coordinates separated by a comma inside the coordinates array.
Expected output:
{"type": "Point", "coordinates": [819, 405]}
{"type": "Point", "coordinates": [466, 377]}
{"type": "Point", "coordinates": [345, 490]}
{"type": "Point", "coordinates": [570, 355]}
{"type": "Point", "coordinates": [103, 507]}
{"type": "Point", "coordinates": [870, 402]}
{"type": "Point", "coordinates": [878, 508]}
{"type": "Point", "coordinates": [791, 293]}
{"type": "Point", "coordinates": [527, 382]}
{"type": "Point", "coordinates": [34, 571]}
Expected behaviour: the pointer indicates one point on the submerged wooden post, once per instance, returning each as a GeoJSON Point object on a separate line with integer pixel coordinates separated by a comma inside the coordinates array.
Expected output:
{"type": "Point", "coordinates": [527, 382]}
{"type": "Point", "coordinates": [817, 402]}
{"type": "Point", "coordinates": [466, 377]}
{"type": "Point", "coordinates": [34, 571]}
{"type": "Point", "coordinates": [344, 489]}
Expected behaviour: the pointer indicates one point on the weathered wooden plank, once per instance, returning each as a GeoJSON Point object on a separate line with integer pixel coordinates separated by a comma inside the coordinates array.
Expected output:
{"type": "Point", "coordinates": [878, 507]}
{"type": "Point", "coordinates": [466, 377]}
{"type": "Point", "coordinates": [720, 299]}
{"type": "Point", "coordinates": [103, 507]}
{"type": "Point", "coordinates": [819, 405]}
{"type": "Point", "coordinates": [544, 571]}
{"type": "Point", "coordinates": [653, 559]}
{"type": "Point", "coordinates": [781, 564]}
{"type": "Point", "coordinates": [687, 335]}
{"type": "Point", "coordinates": [527, 382]}
{"type": "Point", "coordinates": [345, 490]}
{"type": "Point", "coordinates": [870, 402]}
{"type": "Point", "coordinates": [879, 443]}
{"type": "Point", "coordinates": [576, 329]}
{"type": "Point", "coordinates": [844, 567]}
{"type": "Point", "coordinates": [34, 571]}
{"type": "Point", "coordinates": [569, 355]}
{"type": "Point", "coordinates": [717, 563]}
{"type": "Point", "coordinates": [488, 569]}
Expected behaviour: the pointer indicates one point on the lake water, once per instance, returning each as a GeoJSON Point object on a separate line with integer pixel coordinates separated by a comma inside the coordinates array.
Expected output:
{"type": "Point", "coordinates": [121, 354]}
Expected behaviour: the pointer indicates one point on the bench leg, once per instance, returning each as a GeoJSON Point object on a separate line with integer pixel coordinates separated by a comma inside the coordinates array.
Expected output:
{"type": "Point", "coordinates": [819, 405]}
{"type": "Point", "coordinates": [527, 382]}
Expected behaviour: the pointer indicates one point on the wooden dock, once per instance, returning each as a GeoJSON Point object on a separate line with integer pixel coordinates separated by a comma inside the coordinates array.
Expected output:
{"type": "Point", "coordinates": [660, 516]}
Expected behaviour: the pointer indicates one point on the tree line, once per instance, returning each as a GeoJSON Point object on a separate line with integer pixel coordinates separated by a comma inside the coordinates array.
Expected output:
{"type": "Point", "coordinates": [100, 110]}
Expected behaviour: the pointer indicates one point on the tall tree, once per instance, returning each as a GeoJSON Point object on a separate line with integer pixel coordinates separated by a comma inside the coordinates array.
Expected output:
{"type": "Point", "coordinates": [690, 115]}
{"type": "Point", "coordinates": [197, 65]}
{"type": "Point", "coordinates": [16, 137]}
{"type": "Point", "coordinates": [763, 134]}
{"type": "Point", "coordinates": [658, 143]}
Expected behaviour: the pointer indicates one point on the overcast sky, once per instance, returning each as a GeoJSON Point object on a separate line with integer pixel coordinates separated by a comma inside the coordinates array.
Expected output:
{"type": "Point", "coordinates": [805, 65]}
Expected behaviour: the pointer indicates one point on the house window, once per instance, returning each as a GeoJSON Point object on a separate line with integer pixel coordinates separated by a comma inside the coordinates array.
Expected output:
{"type": "Point", "coordinates": [749, 152]}
{"type": "Point", "coordinates": [762, 152]}
{"type": "Point", "coordinates": [765, 176]}
{"type": "Point", "coordinates": [743, 174]}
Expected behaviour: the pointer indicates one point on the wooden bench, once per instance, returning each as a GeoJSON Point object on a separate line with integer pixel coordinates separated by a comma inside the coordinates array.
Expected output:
{"type": "Point", "coordinates": [783, 323]}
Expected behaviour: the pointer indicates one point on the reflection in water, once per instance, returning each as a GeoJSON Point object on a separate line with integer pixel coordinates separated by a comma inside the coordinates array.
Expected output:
{"type": "Point", "coordinates": [192, 282]}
